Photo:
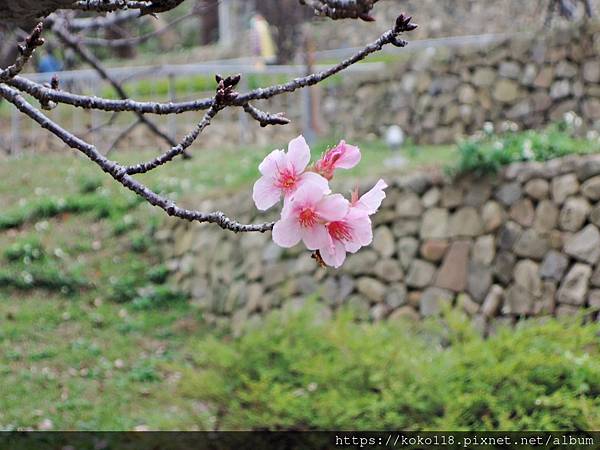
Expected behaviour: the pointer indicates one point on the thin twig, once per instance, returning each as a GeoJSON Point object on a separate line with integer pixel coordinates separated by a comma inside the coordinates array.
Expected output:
{"type": "Point", "coordinates": [43, 93]}
{"type": "Point", "coordinates": [119, 173]}
{"type": "Point", "coordinates": [265, 118]}
{"type": "Point", "coordinates": [177, 149]}
{"type": "Point", "coordinates": [122, 136]}
{"type": "Point", "coordinates": [133, 40]}
{"type": "Point", "coordinates": [89, 58]}
{"type": "Point", "coordinates": [33, 41]}
{"type": "Point", "coordinates": [225, 96]}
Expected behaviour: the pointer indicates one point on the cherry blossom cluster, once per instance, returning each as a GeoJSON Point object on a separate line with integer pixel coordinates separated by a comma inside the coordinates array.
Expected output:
{"type": "Point", "coordinates": [326, 222]}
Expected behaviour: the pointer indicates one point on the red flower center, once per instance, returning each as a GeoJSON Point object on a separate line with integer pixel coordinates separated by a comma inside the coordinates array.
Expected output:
{"type": "Point", "coordinates": [308, 217]}
{"type": "Point", "coordinates": [340, 231]}
{"type": "Point", "coordinates": [287, 179]}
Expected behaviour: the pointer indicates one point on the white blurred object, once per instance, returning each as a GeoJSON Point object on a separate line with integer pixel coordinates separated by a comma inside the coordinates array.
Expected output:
{"type": "Point", "coordinates": [396, 161]}
{"type": "Point", "coordinates": [394, 137]}
{"type": "Point", "coordinates": [488, 128]}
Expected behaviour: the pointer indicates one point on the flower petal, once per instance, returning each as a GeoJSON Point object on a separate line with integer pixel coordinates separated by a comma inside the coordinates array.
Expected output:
{"type": "Point", "coordinates": [334, 255]}
{"type": "Point", "coordinates": [307, 194]}
{"type": "Point", "coordinates": [352, 247]}
{"type": "Point", "coordinates": [265, 194]}
{"type": "Point", "coordinates": [270, 166]}
{"type": "Point", "coordinates": [287, 232]}
{"type": "Point", "coordinates": [350, 156]}
{"type": "Point", "coordinates": [317, 180]}
{"type": "Point", "coordinates": [298, 154]}
{"type": "Point", "coordinates": [371, 201]}
{"type": "Point", "coordinates": [362, 228]}
{"type": "Point", "coordinates": [333, 207]}
{"type": "Point", "coordinates": [315, 237]}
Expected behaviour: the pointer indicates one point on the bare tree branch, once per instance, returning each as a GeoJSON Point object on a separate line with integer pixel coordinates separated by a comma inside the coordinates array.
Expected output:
{"type": "Point", "coordinates": [119, 173]}
{"type": "Point", "coordinates": [110, 5]}
{"type": "Point", "coordinates": [265, 118]}
{"type": "Point", "coordinates": [94, 23]}
{"type": "Point", "coordinates": [342, 9]}
{"type": "Point", "coordinates": [24, 12]}
{"type": "Point", "coordinates": [43, 93]}
{"type": "Point", "coordinates": [225, 96]}
{"type": "Point", "coordinates": [33, 41]}
{"type": "Point", "coordinates": [133, 40]}
{"type": "Point", "coordinates": [89, 58]}
{"type": "Point", "coordinates": [122, 136]}
{"type": "Point", "coordinates": [179, 148]}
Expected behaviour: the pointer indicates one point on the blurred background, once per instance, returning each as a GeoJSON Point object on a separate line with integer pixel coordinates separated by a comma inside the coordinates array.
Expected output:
{"type": "Point", "coordinates": [475, 309]}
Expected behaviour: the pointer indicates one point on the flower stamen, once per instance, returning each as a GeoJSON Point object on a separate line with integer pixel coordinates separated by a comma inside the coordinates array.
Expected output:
{"type": "Point", "coordinates": [308, 217]}
{"type": "Point", "coordinates": [340, 231]}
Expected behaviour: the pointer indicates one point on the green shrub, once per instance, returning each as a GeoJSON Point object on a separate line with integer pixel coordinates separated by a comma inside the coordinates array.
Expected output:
{"type": "Point", "coordinates": [88, 185]}
{"type": "Point", "coordinates": [140, 243]}
{"type": "Point", "coordinates": [46, 276]}
{"type": "Point", "coordinates": [26, 251]}
{"type": "Point", "coordinates": [33, 267]}
{"type": "Point", "coordinates": [124, 289]}
{"type": "Point", "coordinates": [299, 373]}
{"type": "Point", "coordinates": [488, 152]}
{"type": "Point", "coordinates": [157, 297]}
{"type": "Point", "coordinates": [124, 224]}
{"type": "Point", "coordinates": [158, 274]}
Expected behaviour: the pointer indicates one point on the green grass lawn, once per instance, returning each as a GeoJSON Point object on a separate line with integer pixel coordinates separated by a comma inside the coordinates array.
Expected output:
{"type": "Point", "coordinates": [92, 335]}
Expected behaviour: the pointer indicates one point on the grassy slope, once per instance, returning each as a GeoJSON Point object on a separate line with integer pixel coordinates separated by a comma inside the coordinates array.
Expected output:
{"type": "Point", "coordinates": [80, 355]}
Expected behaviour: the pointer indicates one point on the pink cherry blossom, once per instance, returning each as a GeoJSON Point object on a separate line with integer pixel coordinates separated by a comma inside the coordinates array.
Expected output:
{"type": "Point", "coordinates": [283, 173]}
{"type": "Point", "coordinates": [355, 229]}
{"type": "Point", "coordinates": [371, 200]}
{"type": "Point", "coordinates": [347, 235]}
{"type": "Point", "coordinates": [305, 216]}
{"type": "Point", "coordinates": [342, 156]}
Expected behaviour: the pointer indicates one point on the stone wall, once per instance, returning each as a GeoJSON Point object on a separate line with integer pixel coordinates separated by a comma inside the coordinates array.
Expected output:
{"type": "Point", "coordinates": [443, 18]}
{"type": "Point", "coordinates": [521, 243]}
{"type": "Point", "coordinates": [436, 96]}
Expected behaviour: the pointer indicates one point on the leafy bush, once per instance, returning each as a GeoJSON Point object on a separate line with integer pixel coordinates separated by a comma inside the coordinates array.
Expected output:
{"type": "Point", "coordinates": [124, 224]}
{"type": "Point", "coordinates": [87, 185]}
{"type": "Point", "coordinates": [43, 276]}
{"type": "Point", "coordinates": [144, 372]}
{"type": "Point", "coordinates": [31, 266]}
{"type": "Point", "coordinates": [488, 152]}
{"type": "Point", "coordinates": [157, 297]}
{"type": "Point", "coordinates": [26, 251]}
{"type": "Point", "coordinates": [142, 293]}
{"type": "Point", "coordinates": [124, 289]}
{"type": "Point", "coordinates": [158, 274]}
{"type": "Point", "coordinates": [140, 243]}
{"type": "Point", "coordinates": [300, 373]}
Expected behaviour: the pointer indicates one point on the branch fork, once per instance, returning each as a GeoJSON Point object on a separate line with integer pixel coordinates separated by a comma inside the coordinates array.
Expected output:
{"type": "Point", "coordinates": [11, 86]}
